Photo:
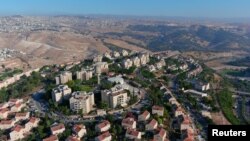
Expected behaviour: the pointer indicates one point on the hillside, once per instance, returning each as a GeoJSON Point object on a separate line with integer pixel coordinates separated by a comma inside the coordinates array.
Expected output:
{"type": "Point", "coordinates": [186, 38]}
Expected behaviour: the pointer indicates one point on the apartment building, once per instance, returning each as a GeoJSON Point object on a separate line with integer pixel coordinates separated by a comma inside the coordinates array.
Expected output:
{"type": "Point", "coordinates": [82, 101]}
{"type": "Point", "coordinates": [63, 78]}
{"type": "Point", "coordinates": [61, 92]}
{"type": "Point", "coordinates": [84, 74]}
{"type": "Point", "coordinates": [116, 96]}
{"type": "Point", "coordinates": [127, 63]}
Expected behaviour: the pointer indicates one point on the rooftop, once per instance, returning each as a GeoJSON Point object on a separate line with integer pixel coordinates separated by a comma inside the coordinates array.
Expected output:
{"type": "Point", "coordinates": [57, 127]}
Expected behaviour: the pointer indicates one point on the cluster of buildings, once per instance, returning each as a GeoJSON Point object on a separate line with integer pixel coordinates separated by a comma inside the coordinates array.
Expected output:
{"type": "Point", "coordinates": [78, 131]}
{"type": "Point", "coordinates": [78, 100]}
{"type": "Point", "coordinates": [18, 124]}
{"type": "Point", "coordinates": [15, 78]}
{"type": "Point", "coordinates": [116, 96]}
{"type": "Point", "coordinates": [130, 124]}
{"type": "Point", "coordinates": [181, 120]}
{"type": "Point", "coordinates": [138, 60]}
{"type": "Point", "coordinates": [116, 54]}
{"type": "Point", "coordinates": [156, 66]}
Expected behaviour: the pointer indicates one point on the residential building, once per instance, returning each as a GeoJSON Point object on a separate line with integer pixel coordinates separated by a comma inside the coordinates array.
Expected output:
{"type": "Point", "coordinates": [12, 102]}
{"type": "Point", "coordinates": [116, 96]}
{"type": "Point", "coordinates": [136, 61]}
{"type": "Point", "coordinates": [158, 110]}
{"type": "Point", "coordinates": [183, 66]}
{"type": "Point", "coordinates": [84, 74]}
{"type": "Point", "coordinates": [103, 126]}
{"type": "Point", "coordinates": [107, 55]}
{"type": "Point", "coordinates": [187, 135]}
{"type": "Point", "coordinates": [179, 112]}
{"type": "Point", "coordinates": [4, 113]}
{"type": "Point", "coordinates": [160, 135]}
{"type": "Point", "coordinates": [202, 86]}
{"type": "Point", "coordinates": [61, 92]}
{"type": "Point", "coordinates": [22, 116]}
{"type": "Point", "coordinates": [82, 101]}
{"type": "Point", "coordinates": [195, 71]}
{"type": "Point", "coordinates": [32, 123]}
{"type": "Point", "coordinates": [17, 108]}
{"type": "Point", "coordinates": [133, 134]}
{"type": "Point", "coordinates": [4, 105]}
{"type": "Point", "coordinates": [6, 124]}
{"type": "Point", "coordinates": [124, 53]}
{"type": "Point", "coordinates": [144, 116]}
{"type": "Point", "coordinates": [57, 129]}
{"type": "Point", "coordinates": [116, 54]}
{"type": "Point", "coordinates": [206, 114]}
{"type": "Point", "coordinates": [101, 67]}
{"type": "Point", "coordinates": [160, 64]}
{"type": "Point", "coordinates": [51, 138]}
{"type": "Point", "coordinates": [63, 78]}
{"type": "Point", "coordinates": [106, 136]}
{"type": "Point", "coordinates": [127, 63]}
{"type": "Point", "coordinates": [144, 58]}
{"type": "Point", "coordinates": [79, 130]}
{"type": "Point", "coordinates": [152, 125]}
{"type": "Point", "coordinates": [17, 133]}
{"type": "Point", "coordinates": [117, 79]}
{"type": "Point", "coordinates": [98, 58]}
{"type": "Point", "coordinates": [151, 68]}
{"type": "Point", "coordinates": [129, 123]}
{"type": "Point", "coordinates": [72, 138]}
{"type": "Point", "coordinates": [186, 123]}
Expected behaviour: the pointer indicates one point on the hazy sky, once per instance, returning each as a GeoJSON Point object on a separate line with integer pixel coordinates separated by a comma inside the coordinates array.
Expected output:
{"type": "Point", "coordinates": [183, 8]}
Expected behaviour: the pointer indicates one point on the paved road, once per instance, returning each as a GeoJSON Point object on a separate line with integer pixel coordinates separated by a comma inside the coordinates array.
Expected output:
{"type": "Point", "coordinates": [241, 93]}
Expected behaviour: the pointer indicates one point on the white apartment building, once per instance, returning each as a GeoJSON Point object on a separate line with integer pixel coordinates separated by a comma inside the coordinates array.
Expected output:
{"type": "Point", "coordinates": [101, 67]}
{"type": "Point", "coordinates": [136, 61]}
{"type": "Point", "coordinates": [116, 54]}
{"type": "Point", "coordinates": [127, 63]}
{"type": "Point", "coordinates": [60, 92]}
{"type": "Point", "coordinates": [82, 101]}
{"type": "Point", "coordinates": [63, 78]}
{"type": "Point", "coordinates": [84, 74]}
{"type": "Point", "coordinates": [98, 58]}
{"type": "Point", "coordinates": [124, 53]}
{"type": "Point", "coordinates": [115, 96]}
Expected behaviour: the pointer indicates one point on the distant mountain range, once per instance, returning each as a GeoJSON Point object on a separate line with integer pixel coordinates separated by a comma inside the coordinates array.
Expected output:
{"type": "Point", "coordinates": [186, 38]}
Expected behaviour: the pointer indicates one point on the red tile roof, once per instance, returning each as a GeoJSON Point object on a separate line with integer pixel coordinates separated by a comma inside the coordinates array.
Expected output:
{"type": "Point", "coordinates": [145, 114]}
{"type": "Point", "coordinates": [153, 122]}
{"type": "Point", "coordinates": [128, 120]}
{"type": "Point", "coordinates": [103, 124]}
{"type": "Point", "coordinates": [186, 120]}
{"type": "Point", "coordinates": [103, 136]}
{"type": "Point", "coordinates": [162, 132]}
{"type": "Point", "coordinates": [4, 110]}
{"type": "Point", "coordinates": [156, 107]}
{"type": "Point", "coordinates": [21, 114]}
{"type": "Point", "coordinates": [33, 119]}
{"type": "Point", "coordinates": [18, 105]}
{"type": "Point", "coordinates": [133, 132]}
{"type": "Point", "coordinates": [71, 138]}
{"type": "Point", "coordinates": [78, 127]}
{"type": "Point", "coordinates": [51, 138]}
{"type": "Point", "coordinates": [17, 128]}
{"type": "Point", "coordinates": [57, 127]}
{"type": "Point", "coordinates": [6, 122]}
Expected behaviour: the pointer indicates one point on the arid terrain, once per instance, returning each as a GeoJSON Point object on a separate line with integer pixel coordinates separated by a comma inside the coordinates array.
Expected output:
{"type": "Point", "coordinates": [63, 39]}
